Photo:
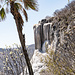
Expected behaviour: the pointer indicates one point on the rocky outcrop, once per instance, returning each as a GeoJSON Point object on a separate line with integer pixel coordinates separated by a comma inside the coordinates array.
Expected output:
{"type": "Point", "coordinates": [53, 29]}
{"type": "Point", "coordinates": [46, 30]}
{"type": "Point", "coordinates": [59, 33]}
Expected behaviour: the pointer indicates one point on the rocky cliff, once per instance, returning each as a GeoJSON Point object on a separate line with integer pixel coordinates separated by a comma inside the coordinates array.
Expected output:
{"type": "Point", "coordinates": [53, 29]}
{"type": "Point", "coordinates": [58, 33]}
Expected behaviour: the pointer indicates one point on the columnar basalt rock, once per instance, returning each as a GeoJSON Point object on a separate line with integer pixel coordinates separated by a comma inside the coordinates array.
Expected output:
{"type": "Point", "coordinates": [43, 31]}
{"type": "Point", "coordinates": [37, 36]}
{"type": "Point", "coordinates": [46, 31]}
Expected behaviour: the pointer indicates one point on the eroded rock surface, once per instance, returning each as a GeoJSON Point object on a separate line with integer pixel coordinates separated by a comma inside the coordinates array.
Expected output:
{"type": "Point", "coordinates": [59, 32]}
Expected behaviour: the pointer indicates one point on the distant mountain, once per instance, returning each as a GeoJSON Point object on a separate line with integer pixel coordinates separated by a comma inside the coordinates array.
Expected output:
{"type": "Point", "coordinates": [30, 50]}
{"type": "Point", "coordinates": [1, 56]}
{"type": "Point", "coordinates": [1, 50]}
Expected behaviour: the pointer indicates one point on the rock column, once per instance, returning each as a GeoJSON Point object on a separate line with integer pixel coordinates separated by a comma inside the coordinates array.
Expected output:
{"type": "Point", "coordinates": [37, 36]}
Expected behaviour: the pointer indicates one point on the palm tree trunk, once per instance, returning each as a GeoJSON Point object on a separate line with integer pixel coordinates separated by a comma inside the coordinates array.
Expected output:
{"type": "Point", "coordinates": [17, 17]}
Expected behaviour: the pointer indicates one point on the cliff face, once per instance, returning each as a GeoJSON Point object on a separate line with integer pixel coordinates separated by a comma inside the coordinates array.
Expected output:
{"type": "Point", "coordinates": [47, 31]}
{"type": "Point", "coordinates": [58, 33]}
{"type": "Point", "coordinates": [53, 29]}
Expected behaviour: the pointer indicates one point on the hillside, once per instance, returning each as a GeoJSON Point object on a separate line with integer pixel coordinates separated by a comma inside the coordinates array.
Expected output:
{"type": "Point", "coordinates": [56, 37]}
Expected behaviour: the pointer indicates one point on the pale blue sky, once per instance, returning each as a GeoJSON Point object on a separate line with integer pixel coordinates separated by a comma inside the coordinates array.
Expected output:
{"type": "Point", "coordinates": [8, 31]}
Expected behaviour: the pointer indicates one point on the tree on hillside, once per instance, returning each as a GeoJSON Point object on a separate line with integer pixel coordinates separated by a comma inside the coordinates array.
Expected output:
{"type": "Point", "coordinates": [15, 9]}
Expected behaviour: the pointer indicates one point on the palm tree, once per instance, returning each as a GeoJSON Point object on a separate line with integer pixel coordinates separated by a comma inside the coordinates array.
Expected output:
{"type": "Point", "coordinates": [15, 8]}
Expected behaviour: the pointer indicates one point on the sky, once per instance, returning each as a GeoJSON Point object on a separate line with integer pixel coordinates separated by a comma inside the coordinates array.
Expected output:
{"type": "Point", "coordinates": [8, 30]}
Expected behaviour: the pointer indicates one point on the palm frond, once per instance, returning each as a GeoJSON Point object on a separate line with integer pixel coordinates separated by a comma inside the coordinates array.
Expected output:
{"type": "Point", "coordinates": [18, 6]}
{"type": "Point", "coordinates": [2, 13]}
{"type": "Point", "coordinates": [30, 4]}
{"type": "Point", "coordinates": [25, 14]}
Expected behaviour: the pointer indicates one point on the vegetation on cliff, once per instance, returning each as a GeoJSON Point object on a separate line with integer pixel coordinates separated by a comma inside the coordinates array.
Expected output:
{"type": "Point", "coordinates": [62, 62]}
